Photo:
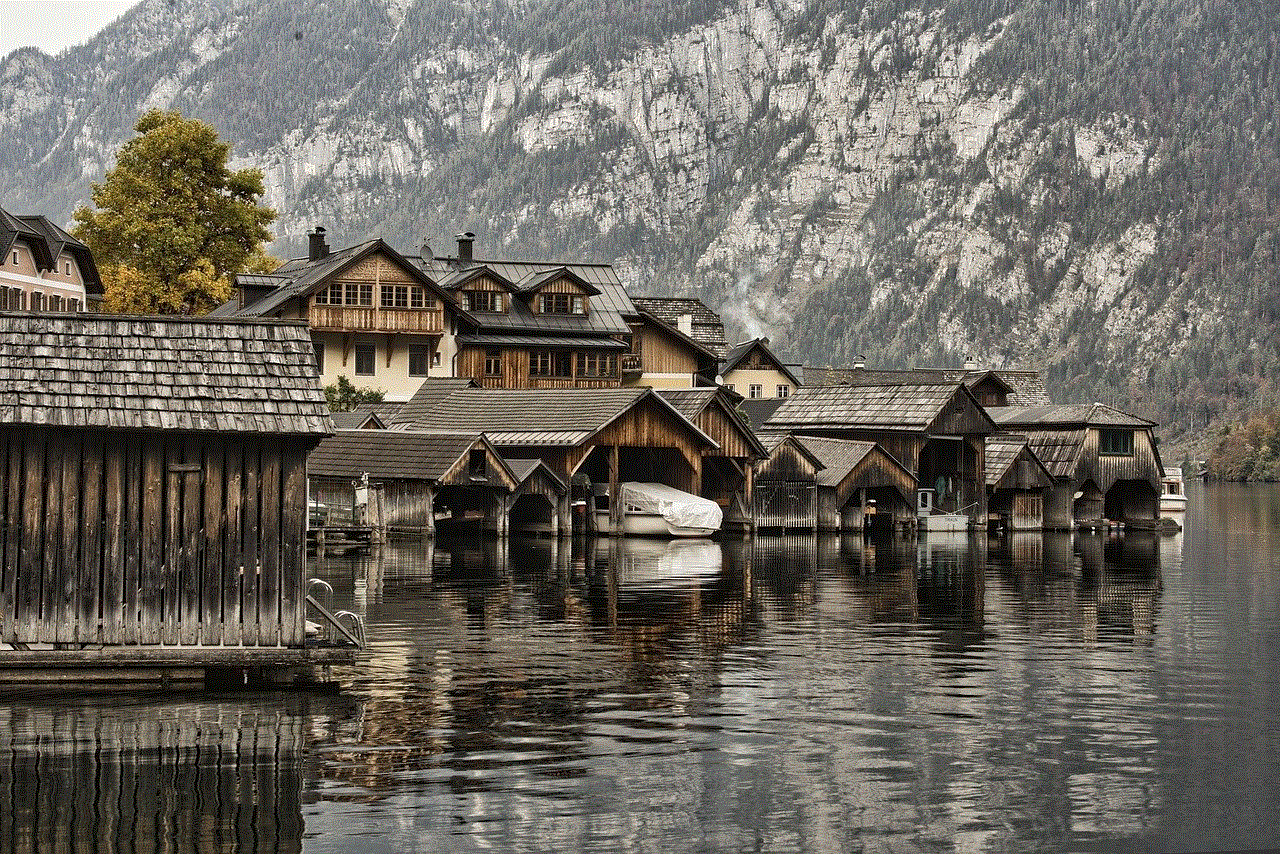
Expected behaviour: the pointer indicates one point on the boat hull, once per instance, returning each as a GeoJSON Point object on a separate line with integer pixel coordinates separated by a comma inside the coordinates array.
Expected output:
{"type": "Point", "coordinates": [945, 522]}
{"type": "Point", "coordinates": [639, 524]}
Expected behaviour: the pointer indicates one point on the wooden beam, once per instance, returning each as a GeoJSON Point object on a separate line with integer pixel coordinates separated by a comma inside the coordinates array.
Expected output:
{"type": "Point", "coordinates": [615, 500]}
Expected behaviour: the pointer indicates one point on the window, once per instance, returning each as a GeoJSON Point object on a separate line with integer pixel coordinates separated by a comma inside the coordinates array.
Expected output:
{"type": "Point", "coordinates": [550, 363]}
{"type": "Point", "coordinates": [67, 267]}
{"type": "Point", "coordinates": [55, 303]}
{"type": "Point", "coordinates": [73, 305]}
{"type": "Point", "coordinates": [37, 301]}
{"type": "Point", "coordinates": [320, 357]}
{"type": "Point", "coordinates": [783, 390]}
{"type": "Point", "coordinates": [420, 359]}
{"type": "Point", "coordinates": [563, 304]}
{"type": "Point", "coordinates": [493, 363]}
{"type": "Point", "coordinates": [477, 464]}
{"type": "Point", "coordinates": [756, 390]}
{"type": "Point", "coordinates": [10, 299]}
{"type": "Point", "coordinates": [365, 355]}
{"type": "Point", "coordinates": [482, 301]}
{"type": "Point", "coordinates": [1116, 442]}
{"type": "Point", "coordinates": [435, 359]}
{"type": "Point", "coordinates": [597, 365]}
{"type": "Point", "coordinates": [15, 257]}
{"type": "Point", "coordinates": [346, 293]}
{"type": "Point", "coordinates": [405, 296]}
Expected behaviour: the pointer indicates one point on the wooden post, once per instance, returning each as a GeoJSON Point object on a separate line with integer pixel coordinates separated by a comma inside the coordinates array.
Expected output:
{"type": "Point", "coordinates": [615, 500]}
{"type": "Point", "coordinates": [431, 512]}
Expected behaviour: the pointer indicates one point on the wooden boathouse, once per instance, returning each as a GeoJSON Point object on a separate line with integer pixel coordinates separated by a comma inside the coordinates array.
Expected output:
{"type": "Point", "coordinates": [936, 430]}
{"type": "Point", "coordinates": [411, 476]}
{"type": "Point", "coordinates": [816, 483]}
{"type": "Point", "coordinates": [1105, 462]}
{"type": "Point", "coordinates": [153, 481]}
{"type": "Point", "coordinates": [606, 436]}
{"type": "Point", "coordinates": [1016, 483]}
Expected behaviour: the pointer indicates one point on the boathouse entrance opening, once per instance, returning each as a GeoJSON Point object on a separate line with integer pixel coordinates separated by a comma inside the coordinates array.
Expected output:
{"type": "Point", "coordinates": [949, 466]}
{"type": "Point", "coordinates": [644, 465]}
{"type": "Point", "coordinates": [1131, 501]}
{"type": "Point", "coordinates": [533, 513]}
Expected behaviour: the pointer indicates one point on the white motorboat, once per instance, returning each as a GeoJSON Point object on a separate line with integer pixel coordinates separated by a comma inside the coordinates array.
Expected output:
{"type": "Point", "coordinates": [658, 510]}
{"type": "Point", "coordinates": [1173, 496]}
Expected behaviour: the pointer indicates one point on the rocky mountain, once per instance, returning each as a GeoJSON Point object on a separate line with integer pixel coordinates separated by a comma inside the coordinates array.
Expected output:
{"type": "Point", "coordinates": [1086, 187]}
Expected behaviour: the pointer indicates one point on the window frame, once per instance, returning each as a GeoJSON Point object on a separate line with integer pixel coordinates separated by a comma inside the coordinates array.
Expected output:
{"type": "Point", "coordinates": [1115, 442]}
{"type": "Point", "coordinates": [423, 354]}
{"type": "Point", "coordinates": [369, 351]}
{"type": "Point", "coordinates": [782, 391]}
{"type": "Point", "coordinates": [755, 391]}
{"type": "Point", "coordinates": [492, 363]}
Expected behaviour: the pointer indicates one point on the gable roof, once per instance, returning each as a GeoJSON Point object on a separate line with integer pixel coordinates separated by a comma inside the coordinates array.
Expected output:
{"type": "Point", "coordinates": [534, 281]}
{"type": "Point", "coordinates": [607, 308]}
{"type": "Point", "coordinates": [741, 351]}
{"type": "Point", "coordinates": [760, 409]}
{"type": "Point", "coordinates": [525, 469]}
{"type": "Point", "coordinates": [706, 326]}
{"type": "Point", "coordinates": [1057, 450]}
{"type": "Point", "coordinates": [1068, 415]}
{"type": "Point", "coordinates": [1024, 388]}
{"type": "Point", "coordinates": [301, 277]}
{"type": "Point", "coordinates": [868, 407]}
{"type": "Point", "coordinates": [357, 420]}
{"type": "Point", "coordinates": [534, 416]}
{"type": "Point", "coordinates": [395, 455]}
{"type": "Point", "coordinates": [838, 457]}
{"type": "Point", "coordinates": [160, 373]}
{"type": "Point", "coordinates": [47, 241]}
{"type": "Point", "coordinates": [429, 395]}
{"type": "Point", "coordinates": [1002, 450]}
{"type": "Point", "coordinates": [692, 402]}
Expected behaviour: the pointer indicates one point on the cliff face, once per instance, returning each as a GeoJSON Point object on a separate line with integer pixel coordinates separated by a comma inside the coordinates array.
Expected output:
{"type": "Point", "coordinates": [910, 181]}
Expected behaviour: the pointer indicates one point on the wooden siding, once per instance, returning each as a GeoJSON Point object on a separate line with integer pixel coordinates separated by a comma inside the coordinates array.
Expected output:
{"type": "Point", "coordinates": [352, 318]}
{"type": "Point", "coordinates": [149, 538]}
{"type": "Point", "coordinates": [1106, 469]}
{"type": "Point", "coordinates": [962, 417]}
{"type": "Point", "coordinates": [662, 353]}
{"type": "Point", "coordinates": [515, 370]}
{"type": "Point", "coordinates": [729, 436]}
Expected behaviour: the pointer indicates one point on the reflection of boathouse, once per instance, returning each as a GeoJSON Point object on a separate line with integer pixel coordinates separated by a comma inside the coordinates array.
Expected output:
{"type": "Point", "coordinates": [1104, 462]}
{"type": "Point", "coordinates": [154, 472]}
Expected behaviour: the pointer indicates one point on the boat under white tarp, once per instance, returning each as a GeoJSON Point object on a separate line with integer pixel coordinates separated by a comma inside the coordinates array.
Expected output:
{"type": "Point", "coordinates": [658, 510]}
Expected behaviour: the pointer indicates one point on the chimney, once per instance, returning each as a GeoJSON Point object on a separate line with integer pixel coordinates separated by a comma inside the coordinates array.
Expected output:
{"type": "Point", "coordinates": [316, 247]}
{"type": "Point", "coordinates": [970, 364]}
{"type": "Point", "coordinates": [859, 362]}
{"type": "Point", "coordinates": [464, 245]}
{"type": "Point", "coordinates": [685, 324]}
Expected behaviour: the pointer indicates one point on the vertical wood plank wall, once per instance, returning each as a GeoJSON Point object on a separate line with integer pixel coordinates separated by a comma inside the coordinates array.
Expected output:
{"type": "Point", "coordinates": [116, 538]}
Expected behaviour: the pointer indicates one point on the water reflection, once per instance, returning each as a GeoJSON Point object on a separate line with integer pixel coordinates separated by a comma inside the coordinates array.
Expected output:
{"type": "Point", "coordinates": [816, 693]}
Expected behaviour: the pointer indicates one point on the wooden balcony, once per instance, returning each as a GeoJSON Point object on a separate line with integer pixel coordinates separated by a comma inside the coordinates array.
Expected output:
{"type": "Point", "coordinates": [631, 364]}
{"type": "Point", "coordinates": [350, 318]}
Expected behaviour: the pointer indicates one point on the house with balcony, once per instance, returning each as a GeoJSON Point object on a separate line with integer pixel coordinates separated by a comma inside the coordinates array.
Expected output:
{"type": "Point", "coordinates": [676, 342]}
{"type": "Point", "coordinates": [44, 268]}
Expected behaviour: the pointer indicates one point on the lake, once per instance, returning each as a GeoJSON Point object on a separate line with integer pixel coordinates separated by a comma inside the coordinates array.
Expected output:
{"type": "Point", "coordinates": [1053, 692]}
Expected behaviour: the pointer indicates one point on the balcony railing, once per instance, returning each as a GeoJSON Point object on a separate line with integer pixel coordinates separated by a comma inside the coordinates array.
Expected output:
{"type": "Point", "coordinates": [374, 319]}
{"type": "Point", "coordinates": [631, 363]}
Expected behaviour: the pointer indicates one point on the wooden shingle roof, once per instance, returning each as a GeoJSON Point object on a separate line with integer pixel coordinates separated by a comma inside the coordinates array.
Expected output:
{"type": "Point", "coordinates": [884, 407]}
{"type": "Point", "coordinates": [532, 416]}
{"type": "Point", "coordinates": [706, 326]}
{"type": "Point", "coordinates": [1002, 451]}
{"type": "Point", "coordinates": [1067, 415]}
{"type": "Point", "coordinates": [1058, 450]}
{"type": "Point", "coordinates": [432, 391]}
{"type": "Point", "coordinates": [393, 454]}
{"type": "Point", "coordinates": [160, 373]}
{"type": "Point", "coordinates": [1025, 387]}
{"type": "Point", "coordinates": [837, 456]}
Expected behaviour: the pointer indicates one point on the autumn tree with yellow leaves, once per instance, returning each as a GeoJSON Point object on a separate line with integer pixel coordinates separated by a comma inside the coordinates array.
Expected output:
{"type": "Point", "coordinates": [171, 225]}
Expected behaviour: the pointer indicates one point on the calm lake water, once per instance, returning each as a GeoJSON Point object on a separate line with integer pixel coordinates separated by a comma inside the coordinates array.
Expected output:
{"type": "Point", "coordinates": [1046, 693]}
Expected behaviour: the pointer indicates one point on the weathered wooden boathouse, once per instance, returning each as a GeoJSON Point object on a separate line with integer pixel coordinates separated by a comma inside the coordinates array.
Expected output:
{"type": "Point", "coordinates": [1105, 462]}
{"type": "Point", "coordinates": [153, 481]}
{"type": "Point", "coordinates": [416, 478]}
{"type": "Point", "coordinates": [936, 430]}
{"type": "Point", "coordinates": [1016, 483]}
{"type": "Point", "coordinates": [606, 436]}
{"type": "Point", "coordinates": [816, 483]}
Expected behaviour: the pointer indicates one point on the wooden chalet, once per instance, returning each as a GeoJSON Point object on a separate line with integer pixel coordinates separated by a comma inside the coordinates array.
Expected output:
{"type": "Point", "coordinates": [1016, 483]}
{"type": "Point", "coordinates": [817, 483]}
{"type": "Point", "coordinates": [1105, 462]}
{"type": "Point", "coordinates": [992, 387]}
{"type": "Point", "coordinates": [605, 435]}
{"type": "Point", "coordinates": [409, 479]}
{"type": "Point", "coordinates": [752, 370]}
{"type": "Point", "coordinates": [153, 474]}
{"type": "Point", "coordinates": [936, 431]}
{"type": "Point", "coordinates": [676, 342]}
{"type": "Point", "coordinates": [534, 324]}
{"type": "Point", "coordinates": [728, 469]}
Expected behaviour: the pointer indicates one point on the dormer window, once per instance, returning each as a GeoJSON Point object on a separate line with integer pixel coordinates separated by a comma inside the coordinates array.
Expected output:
{"type": "Point", "coordinates": [482, 301]}
{"type": "Point", "coordinates": [563, 304]}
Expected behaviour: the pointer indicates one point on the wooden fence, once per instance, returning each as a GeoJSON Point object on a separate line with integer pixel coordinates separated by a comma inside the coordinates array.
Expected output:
{"type": "Point", "coordinates": [123, 538]}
